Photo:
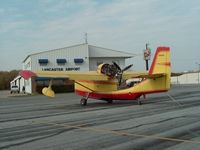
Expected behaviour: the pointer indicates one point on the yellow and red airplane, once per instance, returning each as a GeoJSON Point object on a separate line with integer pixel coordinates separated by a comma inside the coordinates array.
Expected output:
{"type": "Point", "coordinates": [105, 83]}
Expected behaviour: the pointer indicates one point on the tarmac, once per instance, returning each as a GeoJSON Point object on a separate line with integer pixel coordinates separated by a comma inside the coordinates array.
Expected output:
{"type": "Point", "coordinates": [164, 121]}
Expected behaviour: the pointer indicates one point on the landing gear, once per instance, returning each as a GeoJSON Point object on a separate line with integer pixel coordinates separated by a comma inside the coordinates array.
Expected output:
{"type": "Point", "coordinates": [83, 101]}
{"type": "Point", "coordinates": [139, 102]}
{"type": "Point", "coordinates": [109, 101]}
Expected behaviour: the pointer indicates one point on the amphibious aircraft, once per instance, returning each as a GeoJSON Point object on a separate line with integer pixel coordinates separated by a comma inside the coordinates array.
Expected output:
{"type": "Point", "coordinates": [106, 83]}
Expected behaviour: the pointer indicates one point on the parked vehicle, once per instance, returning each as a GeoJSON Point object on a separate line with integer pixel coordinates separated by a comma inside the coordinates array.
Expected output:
{"type": "Point", "coordinates": [14, 89]}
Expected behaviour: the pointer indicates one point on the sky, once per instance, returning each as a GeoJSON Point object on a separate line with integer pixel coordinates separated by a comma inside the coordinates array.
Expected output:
{"type": "Point", "coordinates": [31, 26]}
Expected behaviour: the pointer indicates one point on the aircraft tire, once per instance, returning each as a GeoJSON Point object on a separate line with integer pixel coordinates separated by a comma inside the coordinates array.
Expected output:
{"type": "Point", "coordinates": [139, 102]}
{"type": "Point", "coordinates": [109, 101]}
{"type": "Point", "coordinates": [83, 101]}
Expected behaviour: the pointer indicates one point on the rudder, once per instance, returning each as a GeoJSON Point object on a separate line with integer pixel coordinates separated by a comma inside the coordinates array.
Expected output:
{"type": "Point", "coordinates": [161, 64]}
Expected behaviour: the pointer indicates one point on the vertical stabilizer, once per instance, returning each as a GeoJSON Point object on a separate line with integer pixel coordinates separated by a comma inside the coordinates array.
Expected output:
{"type": "Point", "coordinates": [161, 64]}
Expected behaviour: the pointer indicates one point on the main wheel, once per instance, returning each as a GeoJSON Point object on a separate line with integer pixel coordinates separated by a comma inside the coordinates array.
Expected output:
{"type": "Point", "coordinates": [109, 101]}
{"type": "Point", "coordinates": [83, 101]}
{"type": "Point", "coordinates": [139, 102]}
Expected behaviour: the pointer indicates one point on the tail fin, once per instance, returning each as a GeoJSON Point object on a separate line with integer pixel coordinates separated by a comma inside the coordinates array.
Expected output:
{"type": "Point", "coordinates": [161, 64]}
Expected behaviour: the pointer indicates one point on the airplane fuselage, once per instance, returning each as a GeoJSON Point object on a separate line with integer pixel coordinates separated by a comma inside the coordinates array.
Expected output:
{"type": "Point", "coordinates": [109, 89]}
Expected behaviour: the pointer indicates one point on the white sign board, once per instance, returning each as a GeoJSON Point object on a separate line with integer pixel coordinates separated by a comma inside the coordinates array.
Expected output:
{"type": "Point", "coordinates": [147, 54]}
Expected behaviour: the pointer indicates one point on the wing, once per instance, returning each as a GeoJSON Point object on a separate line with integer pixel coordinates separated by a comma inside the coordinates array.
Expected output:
{"type": "Point", "coordinates": [133, 74]}
{"type": "Point", "coordinates": [85, 75]}
{"type": "Point", "coordinates": [73, 75]}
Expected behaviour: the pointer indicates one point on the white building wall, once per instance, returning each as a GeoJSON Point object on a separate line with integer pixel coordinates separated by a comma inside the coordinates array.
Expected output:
{"type": "Point", "coordinates": [27, 64]}
{"type": "Point", "coordinates": [27, 83]}
{"type": "Point", "coordinates": [188, 78]}
{"type": "Point", "coordinates": [19, 81]}
{"type": "Point", "coordinates": [28, 86]}
{"type": "Point", "coordinates": [68, 53]}
{"type": "Point", "coordinates": [94, 62]}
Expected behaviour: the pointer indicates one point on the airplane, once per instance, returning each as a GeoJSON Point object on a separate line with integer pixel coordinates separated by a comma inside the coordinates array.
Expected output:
{"type": "Point", "coordinates": [105, 83]}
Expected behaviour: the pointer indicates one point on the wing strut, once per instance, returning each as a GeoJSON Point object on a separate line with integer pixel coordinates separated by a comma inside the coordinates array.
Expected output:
{"type": "Point", "coordinates": [84, 86]}
{"type": "Point", "coordinates": [84, 99]}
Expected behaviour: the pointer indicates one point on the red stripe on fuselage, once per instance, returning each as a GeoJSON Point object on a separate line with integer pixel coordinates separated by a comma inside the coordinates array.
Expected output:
{"type": "Point", "coordinates": [124, 96]}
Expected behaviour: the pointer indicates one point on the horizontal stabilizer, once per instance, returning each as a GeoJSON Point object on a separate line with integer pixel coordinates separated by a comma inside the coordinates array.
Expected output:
{"type": "Point", "coordinates": [128, 75]}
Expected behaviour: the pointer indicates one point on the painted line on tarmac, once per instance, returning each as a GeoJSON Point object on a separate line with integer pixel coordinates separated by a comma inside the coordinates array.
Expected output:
{"type": "Point", "coordinates": [119, 133]}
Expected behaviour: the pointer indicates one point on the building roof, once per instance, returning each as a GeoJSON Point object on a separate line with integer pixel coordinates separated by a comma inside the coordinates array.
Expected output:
{"type": "Point", "coordinates": [94, 51]}
{"type": "Point", "coordinates": [57, 49]}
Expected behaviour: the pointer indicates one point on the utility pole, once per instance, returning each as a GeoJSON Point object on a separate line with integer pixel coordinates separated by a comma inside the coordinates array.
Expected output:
{"type": "Point", "coordinates": [147, 55]}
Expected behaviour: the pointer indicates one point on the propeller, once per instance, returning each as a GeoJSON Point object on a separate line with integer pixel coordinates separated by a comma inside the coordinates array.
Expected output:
{"type": "Point", "coordinates": [116, 65]}
{"type": "Point", "coordinates": [120, 71]}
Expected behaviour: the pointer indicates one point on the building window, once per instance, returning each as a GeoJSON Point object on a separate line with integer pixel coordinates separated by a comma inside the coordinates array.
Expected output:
{"type": "Point", "coordinates": [78, 60]}
{"type": "Point", "coordinates": [43, 61]}
{"type": "Point", "coordinates": [61, 61]}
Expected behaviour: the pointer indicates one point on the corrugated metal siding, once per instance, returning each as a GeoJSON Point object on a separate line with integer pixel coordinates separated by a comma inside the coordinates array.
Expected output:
{"type": "Point", "coordinates": [28, 86]}
{"type": "Point", "coordinates": [68, 53]}
{"type": "Point", "coordinates": [95, 61]}
{"type": "Point", "coordinates": [188, 78]}
{"type": "Point", "coordinates": [103, 52]}
{"type": "Point", "coordinates": [27, 64]}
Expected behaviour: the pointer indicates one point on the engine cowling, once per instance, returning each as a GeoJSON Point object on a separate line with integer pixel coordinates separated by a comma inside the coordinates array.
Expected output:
{"type": "Point", "coordinates": [113, 70]}
{"type": "Point", "coordinates": [107, 69]}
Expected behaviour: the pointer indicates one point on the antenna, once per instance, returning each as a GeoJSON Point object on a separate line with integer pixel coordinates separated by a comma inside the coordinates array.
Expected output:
{"type": "Point", "coordinates": [85, 37]}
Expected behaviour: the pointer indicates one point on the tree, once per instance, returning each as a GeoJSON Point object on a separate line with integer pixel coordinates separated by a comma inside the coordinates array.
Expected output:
{"type": "Point", "coordinates": [6, 77]}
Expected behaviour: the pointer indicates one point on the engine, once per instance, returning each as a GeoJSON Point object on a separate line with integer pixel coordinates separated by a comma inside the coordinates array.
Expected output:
{"type": "Point", "coordinates": [108, 69]}
{"type": "Point", "coordinates": [113, 70]}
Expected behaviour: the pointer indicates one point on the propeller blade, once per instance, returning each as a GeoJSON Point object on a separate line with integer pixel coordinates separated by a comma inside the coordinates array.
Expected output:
{"type": "Point", "coordinates": [120, 79]}
{"type": "Point", "coordinates": [117, 66]}
{"type": "Point", "coordinates": [127, 67]}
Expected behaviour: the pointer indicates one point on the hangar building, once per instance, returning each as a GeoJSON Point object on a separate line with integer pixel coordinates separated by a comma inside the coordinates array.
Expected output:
{"type": "Point", "coordinates": [82, 57]}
